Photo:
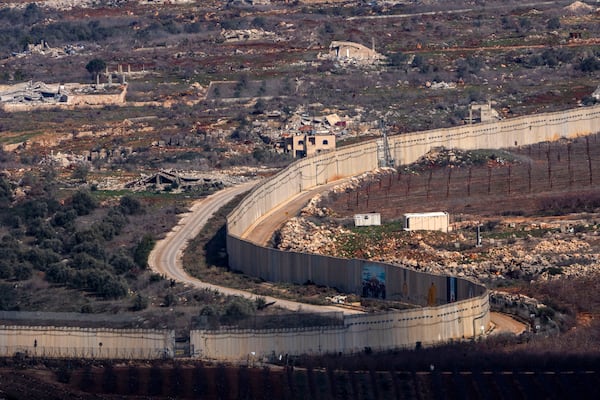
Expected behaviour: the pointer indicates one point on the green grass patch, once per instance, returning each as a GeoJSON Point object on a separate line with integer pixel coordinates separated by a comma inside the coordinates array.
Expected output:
{"type": "Point", "coordinates": [18, 139]}
{"type": "Point", "coordinates": [353, 244]}
{"type": "Point", "coordinates": [376, 231]}
{"type": "Point", "coordinates": [516, 233]}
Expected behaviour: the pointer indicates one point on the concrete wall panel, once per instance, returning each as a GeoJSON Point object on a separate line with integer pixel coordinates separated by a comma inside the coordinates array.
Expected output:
{"type": "Point", "coordinates": [521, 131]}
{"type": "Point", "coordinates": [465, 316]}
{"type": "Point", "coordinates": [68, 342]}
{"type": "Point", "coordinates": [429, 325]}
{"type": "Point", "coordinates": [462, 307]}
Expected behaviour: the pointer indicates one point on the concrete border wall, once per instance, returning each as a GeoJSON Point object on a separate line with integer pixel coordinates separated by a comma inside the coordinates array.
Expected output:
{"type": "Point", "coordinates": [402, 329]}
{"type": "Point", "coordinates": [401, 283]}
{"type": "Point", "coordinates": [451, 308]}
{"type": "Point", "coordinates": [522, 131]}
{"type": "Point", "coordinates": [407, 148]}
{"type": "Point", "coordinates": [67, 342]}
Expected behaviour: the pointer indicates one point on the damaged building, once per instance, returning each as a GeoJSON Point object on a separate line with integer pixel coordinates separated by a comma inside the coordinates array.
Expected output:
{"type": "Point", "coordinates": [34, 92]}
{"type": "Point", "coordinates": [174, 179]}
{"type": "Point", "coordinates": [350, 51]}
{"type": "Point", "coordinates": [482, 113]}
{"type": "Point", "coordinates": [31, 95]}
{"type": "Point", "coordinates": [307, 143]}
{"type": "Point", "coordinates": [311, 135]}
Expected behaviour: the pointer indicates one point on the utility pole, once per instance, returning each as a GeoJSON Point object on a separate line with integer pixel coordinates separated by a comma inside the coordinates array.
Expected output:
{"type": "Point", "coordinates": [387, 155]}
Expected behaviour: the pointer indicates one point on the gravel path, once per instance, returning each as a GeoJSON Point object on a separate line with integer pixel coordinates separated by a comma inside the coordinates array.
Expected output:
{"type": "Point", "coordinates": [165, 258]}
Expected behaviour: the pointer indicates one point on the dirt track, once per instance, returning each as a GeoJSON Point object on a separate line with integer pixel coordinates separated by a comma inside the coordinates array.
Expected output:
{"type": "Point", "coordinates": [504, 323]}
{"type": "Point", "coordinates": [165, 259]}
{"type": "Point", "coordinates": [262, 231]}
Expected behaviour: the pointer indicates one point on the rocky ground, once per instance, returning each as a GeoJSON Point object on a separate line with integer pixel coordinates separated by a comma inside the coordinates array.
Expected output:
{"type": "Point", "coordinates": [532, 248]}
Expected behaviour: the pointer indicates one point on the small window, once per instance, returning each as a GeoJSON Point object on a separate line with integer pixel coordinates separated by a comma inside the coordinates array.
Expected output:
{"type": "Point", "coordinates": [311, 140]}
{"type": "Point", "coordinates": [300, 142]}
{"type": "Point", "coordinates": [325, 142]}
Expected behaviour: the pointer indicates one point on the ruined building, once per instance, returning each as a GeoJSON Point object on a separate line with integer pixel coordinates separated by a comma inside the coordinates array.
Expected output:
{"type": "Point", "coordinates": [482, 113]}
{"type": "Point", "coordinates": [39, 95]}
{"type": "Point", "coordinates": [350, 51]}
{"type": "Point", "coordinates": [307, 143]}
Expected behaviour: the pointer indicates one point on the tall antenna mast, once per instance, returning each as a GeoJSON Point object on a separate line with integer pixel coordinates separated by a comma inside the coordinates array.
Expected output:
{"type": "Point", "coordinates": [387, 154]}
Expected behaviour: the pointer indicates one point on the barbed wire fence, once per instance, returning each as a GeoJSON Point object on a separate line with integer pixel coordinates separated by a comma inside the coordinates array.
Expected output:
{"type": "Point", "coordinates": [549, 169]}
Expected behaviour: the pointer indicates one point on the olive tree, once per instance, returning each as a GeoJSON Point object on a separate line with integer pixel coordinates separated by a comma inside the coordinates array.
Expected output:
{"type": "Point", "coordinates": [95, 66]}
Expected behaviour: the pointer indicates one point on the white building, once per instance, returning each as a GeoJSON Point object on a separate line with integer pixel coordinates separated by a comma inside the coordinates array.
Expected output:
{"type": "Point", "coordinates": [368, 219]}
{"type": "Point", "coordinates": [431, 221]}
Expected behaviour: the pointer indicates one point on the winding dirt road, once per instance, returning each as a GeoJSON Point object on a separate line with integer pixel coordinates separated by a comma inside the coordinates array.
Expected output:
{"type": "Point", "coordinates": [504, 323]}
{"type": "Point", "coordinates": [262, 230]}
{"type": "Point", "coordinates": [165, 258]}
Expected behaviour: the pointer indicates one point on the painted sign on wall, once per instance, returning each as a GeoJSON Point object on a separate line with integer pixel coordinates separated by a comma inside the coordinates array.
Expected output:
{"type": "Point", "coordinates": [373, 281]}
{"type": "Point", "coordinates": [451, 291]}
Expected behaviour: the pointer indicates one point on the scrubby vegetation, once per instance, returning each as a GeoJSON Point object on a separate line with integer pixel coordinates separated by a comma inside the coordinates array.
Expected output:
{"type": "Point", "coordinates": [44, 234]}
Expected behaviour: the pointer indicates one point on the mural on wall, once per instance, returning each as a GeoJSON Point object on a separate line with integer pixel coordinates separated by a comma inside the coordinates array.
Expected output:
{"type": "Point", "coordinates": [451, 289]}
{"type": "Point", "coordinates": [373, 281]}
{"type": "Point", "coordinates": [432, 295]}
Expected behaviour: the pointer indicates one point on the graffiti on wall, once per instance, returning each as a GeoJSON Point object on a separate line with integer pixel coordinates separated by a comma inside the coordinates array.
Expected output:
{"type": "Point", "coordinates": [373, 281]}
{"type": "Point", "coordinates": [451, 289]}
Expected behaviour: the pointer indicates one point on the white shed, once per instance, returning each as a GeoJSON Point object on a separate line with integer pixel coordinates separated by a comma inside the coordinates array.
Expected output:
{"type": "Point", "coordinates": [368, 219]}
{"type": "Point", "coordinates": [431, 221]}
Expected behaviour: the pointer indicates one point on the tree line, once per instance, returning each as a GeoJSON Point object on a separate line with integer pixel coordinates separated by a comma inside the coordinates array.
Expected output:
{"type": "Point", "coordinates": [45, 234]}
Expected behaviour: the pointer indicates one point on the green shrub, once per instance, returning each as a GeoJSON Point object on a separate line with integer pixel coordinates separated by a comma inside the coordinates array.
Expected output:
{"type": "Point", "coordinates": [83, 202]}
{"type": "Point", "coordinates": [130, 205]}
{"type": "Point", "coordinates": [239, 307]}
{"type": "Point", "coordinates": [139, 303]}
{"type": "Point", "coordinates": [122, 263]}
{"type": "Point", "coordinates": [142, 250]}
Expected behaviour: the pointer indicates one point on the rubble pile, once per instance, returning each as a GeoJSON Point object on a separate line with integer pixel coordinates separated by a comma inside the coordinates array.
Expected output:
{"type": "Point", "coordinates": [579, 8]}
{"type": "Point", "coordinates": [527, 309]}
{"type": "Point", "coordinates": [313, 208]}
{"type": "Point", "coordinates": [234, 35]}
{"type": "Point", "coordinates": [185, 180]}
{"type": "Point", "coordinates": [357, 181]}
{"type": "Point", "coordinates": [443, 157]}
{"type": "Point", "coordinates": [520, 304]}
{"type": "Point", "coordinates": [68, 4]}
{"type": "Point", "coordinates": [302, 235]}
{"type": "Point", "coordinates": [556, 245]}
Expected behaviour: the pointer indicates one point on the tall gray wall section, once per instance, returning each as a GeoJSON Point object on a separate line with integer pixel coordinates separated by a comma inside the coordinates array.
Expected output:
{"type": "Point", "coordinates": [427, 325]}
{"type": "Point", "coordinates": [307, 173]}
{"type": "Point", "coordinates": [68, 342]}
{"type": "Point", "coordinates": [512, 132]}
{"type": "Point", "coordinates": [463, 318]}
{"type": "Point", "coordinates": [346, 275]}
{"type": "Point", "coordinates": [402, 284]}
